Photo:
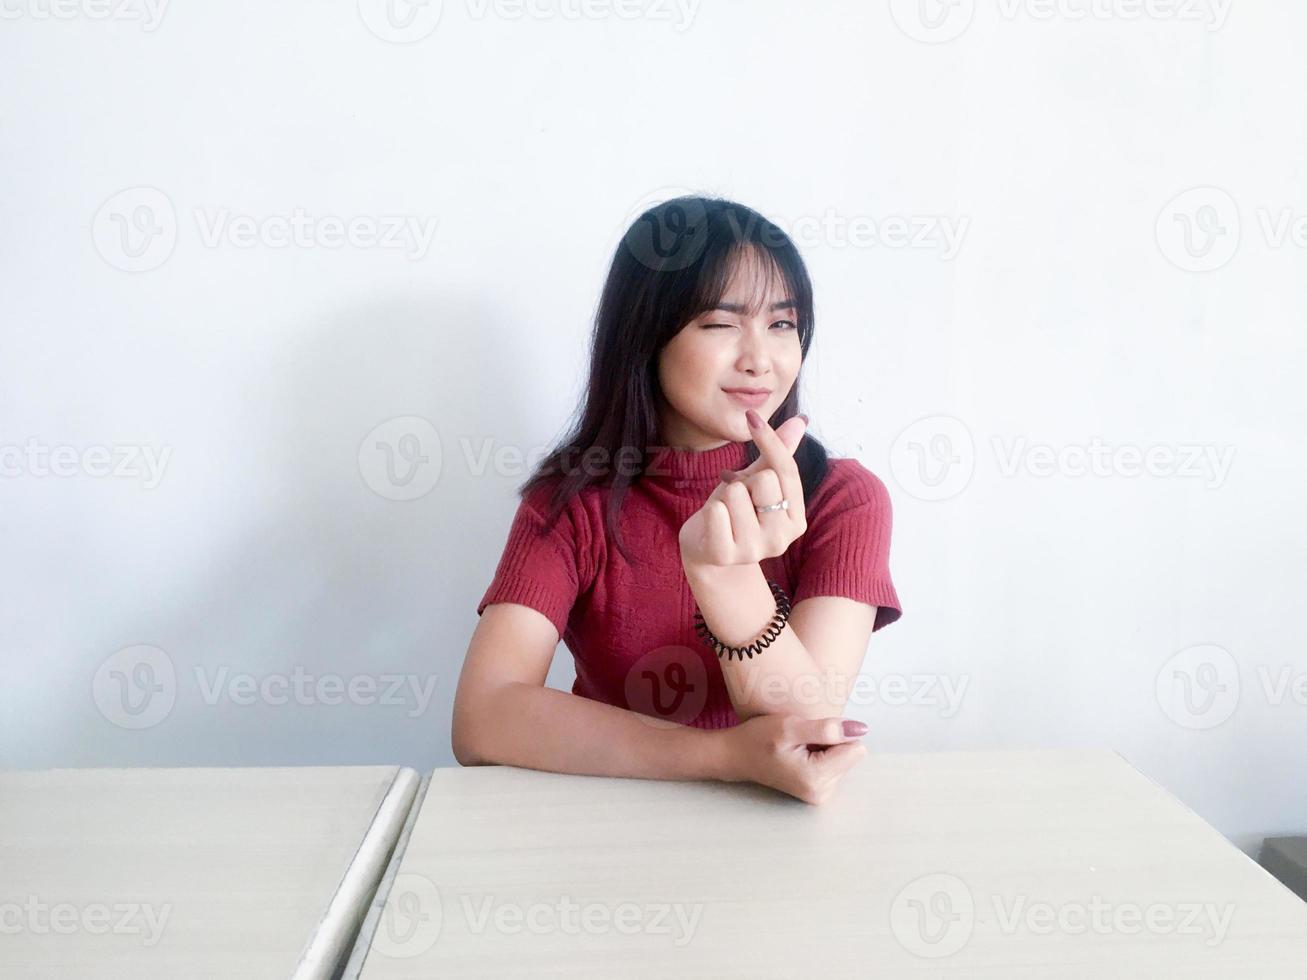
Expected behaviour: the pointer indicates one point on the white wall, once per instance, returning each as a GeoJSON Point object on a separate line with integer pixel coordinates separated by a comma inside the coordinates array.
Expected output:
{"type": "Point", "coordinates": [1059, 609]}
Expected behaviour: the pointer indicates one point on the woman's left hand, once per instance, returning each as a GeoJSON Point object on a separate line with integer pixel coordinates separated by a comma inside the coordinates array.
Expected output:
{"type": "Point", "coordinates": [727, 529]}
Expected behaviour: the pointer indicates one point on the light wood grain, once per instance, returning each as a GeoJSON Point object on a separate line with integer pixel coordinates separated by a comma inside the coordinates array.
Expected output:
{"type": "Point", "coordinates": [782, 889]}
{"type": "Point", "coordinates": [194, 873]}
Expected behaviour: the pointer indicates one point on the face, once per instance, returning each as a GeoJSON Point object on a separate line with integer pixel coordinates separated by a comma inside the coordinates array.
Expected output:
{"type": "Point", "coordinates": [729, 347]}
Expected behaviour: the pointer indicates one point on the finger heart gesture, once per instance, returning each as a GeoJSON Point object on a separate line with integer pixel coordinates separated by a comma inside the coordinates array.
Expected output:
{"type": "Point", "coordinates": [729, 529]}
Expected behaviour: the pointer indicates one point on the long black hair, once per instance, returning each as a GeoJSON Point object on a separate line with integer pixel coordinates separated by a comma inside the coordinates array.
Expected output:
{"type": "Point", "coordinates": [673, 264]}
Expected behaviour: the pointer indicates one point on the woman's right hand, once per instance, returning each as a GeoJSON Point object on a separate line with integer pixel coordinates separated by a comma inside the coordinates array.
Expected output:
{"type": "Point", "coordinates": [804, 757]}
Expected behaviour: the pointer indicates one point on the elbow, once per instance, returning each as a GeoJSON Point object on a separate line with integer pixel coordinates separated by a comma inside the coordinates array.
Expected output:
{"type": "Point", "coordinates": [466, 752]}
{"type": "Point", "coordinates": [464, 740]}
{"type": "Point", "coordinates": [468, 736]}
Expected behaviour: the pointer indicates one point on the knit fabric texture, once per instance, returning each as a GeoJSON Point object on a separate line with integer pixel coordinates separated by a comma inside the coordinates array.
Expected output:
{"type": "Point", "coordinates": [630, 625]}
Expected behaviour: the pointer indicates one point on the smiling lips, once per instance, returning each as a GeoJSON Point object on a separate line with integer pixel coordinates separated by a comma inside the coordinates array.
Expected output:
{"type": "Point", "coordinates": [749, 397]}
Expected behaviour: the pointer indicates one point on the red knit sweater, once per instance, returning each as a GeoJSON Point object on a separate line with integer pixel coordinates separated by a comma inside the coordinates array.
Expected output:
{"type": "Point", "coordinates": [630, 627]}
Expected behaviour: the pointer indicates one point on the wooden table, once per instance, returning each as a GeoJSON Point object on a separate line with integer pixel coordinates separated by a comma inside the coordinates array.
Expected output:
{"type": "Point", "coordinates": [191, 873]}
{"type": "Point", "coordinates": [1002, 865]}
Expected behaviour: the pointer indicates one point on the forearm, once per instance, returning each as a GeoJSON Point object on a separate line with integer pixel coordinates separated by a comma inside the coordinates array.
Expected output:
{"type": "Point", "coordinates": [737, 605]}
{"type": "Point", "coordinates": [534, 727]}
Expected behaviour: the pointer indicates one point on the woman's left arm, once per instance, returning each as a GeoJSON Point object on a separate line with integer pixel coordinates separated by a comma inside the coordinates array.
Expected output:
{"type": "Point", "coordinates": [811, 665]}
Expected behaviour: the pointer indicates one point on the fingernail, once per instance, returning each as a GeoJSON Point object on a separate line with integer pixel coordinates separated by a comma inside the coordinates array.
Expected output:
{"type": "Point", "coordinates": [855, 728]}
{"type": "Point", "coordinates": [804, 417]}
{"type": "Point", "coordinates": [726, 476]}
{"type": "Point", "coordinates": [755, 420]}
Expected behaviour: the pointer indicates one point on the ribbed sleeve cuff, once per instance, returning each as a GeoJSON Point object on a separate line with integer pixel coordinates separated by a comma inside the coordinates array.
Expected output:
{"type": "Point", "coordinates": [540, 598]}
{"type": "Point", "coordinates": [877, 592]}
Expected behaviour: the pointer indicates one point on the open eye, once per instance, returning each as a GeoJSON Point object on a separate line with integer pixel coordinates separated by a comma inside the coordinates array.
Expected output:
{"type": "Point", "coordinates": [786, 325]}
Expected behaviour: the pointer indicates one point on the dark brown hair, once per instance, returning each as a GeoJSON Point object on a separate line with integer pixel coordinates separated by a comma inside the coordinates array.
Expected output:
{"type": "Point", "coordinates": [673, 264]}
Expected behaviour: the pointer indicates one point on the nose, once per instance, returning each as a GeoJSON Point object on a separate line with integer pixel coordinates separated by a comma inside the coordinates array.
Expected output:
{"type": "Point", "coordinates": [753, 357]}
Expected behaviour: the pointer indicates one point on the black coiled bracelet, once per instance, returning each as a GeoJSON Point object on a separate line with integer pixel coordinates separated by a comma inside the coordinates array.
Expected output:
{"type": "Point", "coordinates": [769, 634]}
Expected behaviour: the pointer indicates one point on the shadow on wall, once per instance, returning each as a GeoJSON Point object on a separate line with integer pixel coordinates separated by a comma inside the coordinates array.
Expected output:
{"type": "Point", "coordinates": [330, 573]}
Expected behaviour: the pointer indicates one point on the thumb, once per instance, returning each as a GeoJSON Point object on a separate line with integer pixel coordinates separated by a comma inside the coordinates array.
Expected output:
{"type": "Point", "coordinates": [831, 731]}
{"type": "Point", "coordinates": [791, 431]}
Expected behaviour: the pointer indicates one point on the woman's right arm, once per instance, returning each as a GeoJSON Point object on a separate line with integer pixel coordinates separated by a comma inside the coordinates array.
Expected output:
{"type": "Point", "coordinates": [504, 715]}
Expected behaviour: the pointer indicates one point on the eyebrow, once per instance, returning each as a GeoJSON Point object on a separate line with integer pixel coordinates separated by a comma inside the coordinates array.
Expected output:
{"type": "Point", "coordinates": [785, 304]}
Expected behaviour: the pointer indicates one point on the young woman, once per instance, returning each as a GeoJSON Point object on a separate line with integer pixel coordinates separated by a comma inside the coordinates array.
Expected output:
{"type": "Point", "coordinates": [682, 519]}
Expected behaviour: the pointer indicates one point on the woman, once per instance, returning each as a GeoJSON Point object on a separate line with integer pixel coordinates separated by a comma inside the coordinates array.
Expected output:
{"type": "Point", "coordinates": [716, 579]}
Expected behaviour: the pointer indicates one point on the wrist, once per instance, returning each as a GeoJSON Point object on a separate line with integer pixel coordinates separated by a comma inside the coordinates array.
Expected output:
{"type": "Point", "coordinates": [720, 759]}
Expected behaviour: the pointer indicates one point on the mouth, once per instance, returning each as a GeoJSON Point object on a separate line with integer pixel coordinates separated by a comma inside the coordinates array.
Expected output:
{"type": "Point", "coordinates": [749, 397]}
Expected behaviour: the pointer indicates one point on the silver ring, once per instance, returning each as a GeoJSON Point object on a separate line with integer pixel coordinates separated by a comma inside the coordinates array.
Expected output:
{"type": "Point", "coordinates": [783, 505]}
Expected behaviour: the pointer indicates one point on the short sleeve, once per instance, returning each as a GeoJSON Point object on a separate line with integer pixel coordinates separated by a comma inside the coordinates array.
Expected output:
{"type": "Point", "coordinates": [540, 570]}
{"type": "Point", "coordinates": [845, 550]}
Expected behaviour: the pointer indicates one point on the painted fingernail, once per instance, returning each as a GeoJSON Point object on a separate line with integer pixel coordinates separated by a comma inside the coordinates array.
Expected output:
{"type": "Point", "coordinates": [755, 420]}
{"type": "Point", "coordinates": [804, 417]}
{"type": "Point", "coordinates": [726, 476]}
{"type": "Point", "coordinates": [855, 728]}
